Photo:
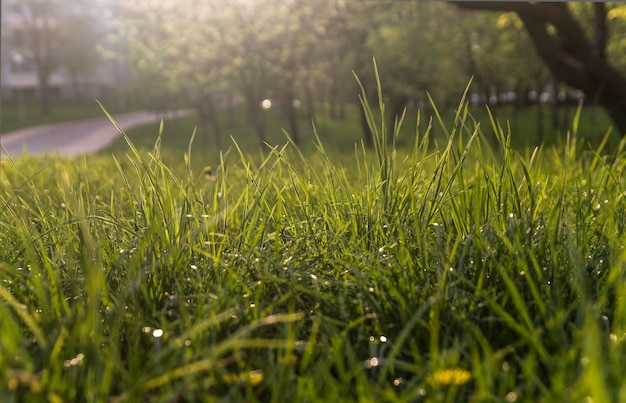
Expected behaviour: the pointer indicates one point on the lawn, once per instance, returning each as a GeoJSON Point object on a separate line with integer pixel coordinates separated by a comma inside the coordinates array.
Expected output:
{"type": "Point", "coordinates": [453, 268]}
{"type": "Point", "coordinates": [341, 135]}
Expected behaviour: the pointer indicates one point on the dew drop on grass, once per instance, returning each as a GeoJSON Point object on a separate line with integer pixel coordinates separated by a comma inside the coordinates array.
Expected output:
{"type": "Point", "coordinates": [511, 397]}
{"type": "Point", "coordinates": [78, 360]}
{"type": "Point", "coordinates": [383, 339]}
{"type": "Point", "coordinates": [146, 329]}
{"type": "Point", "coordinates": [194, 267]}
{"type": "Point", "coordinates": [397, 381]}
{"type": "Point", "coordinates": [371, 363]}
{"type": "Point", "coordinates": [157, 333]}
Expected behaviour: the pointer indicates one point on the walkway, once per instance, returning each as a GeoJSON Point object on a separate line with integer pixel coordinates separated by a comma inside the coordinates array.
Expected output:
{"type": "Point", "coordinates": [75, 138]}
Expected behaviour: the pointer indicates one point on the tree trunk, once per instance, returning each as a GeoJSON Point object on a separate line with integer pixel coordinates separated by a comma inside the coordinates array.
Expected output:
{"type": "Point", "coordinates": [368, 136]}
{"type": "Point", "coordinates": [231, 110]}
{"type": "Point", "coordinates": [342, 108]}
{"type": "Point", "coordinates": [255, 117]}
{"type": "Point", "coordinates": [46, 103]}
{"type": "Point", "coordinates": [75, 86]}
{"type": "Point", "coordinates": [44, 91]}
{"type": "Point", "coordinates": [396, 106]}
{"type": "Point", "coordinates": [291, 113]}
{"type": "Point", "coordinates": [217, 128]}
{"type": "Point", "coordinates": [206, 113]}
{"type": "Point", "coordinates": [554, 109]}
{"type": "Point", "coordinates": [309, 100]}
{"type": "Point", "coordinates": [254, 113]}
{"type": "Point", "coordinates": [540, 135]}
{"type": "Point", "coordinates": [332, 102]}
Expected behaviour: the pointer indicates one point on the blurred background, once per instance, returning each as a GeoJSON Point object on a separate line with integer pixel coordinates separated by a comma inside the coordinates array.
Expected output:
{"type": "Point", "coordinates": [248, 66]}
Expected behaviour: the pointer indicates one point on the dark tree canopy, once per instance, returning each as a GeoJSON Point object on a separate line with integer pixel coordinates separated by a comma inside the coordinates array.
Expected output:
{"type": "Point", "coordinates": [574, 56]}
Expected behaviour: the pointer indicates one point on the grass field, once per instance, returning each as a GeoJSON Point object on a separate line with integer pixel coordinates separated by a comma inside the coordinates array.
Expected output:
{"type": "Point", "coordinates": [460, 271]}
{"type": "Point", "coordinates": [341, 135]}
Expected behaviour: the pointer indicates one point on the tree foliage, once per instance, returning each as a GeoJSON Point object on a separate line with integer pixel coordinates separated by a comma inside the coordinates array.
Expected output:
{"type": "Point", "coordinates": [302, 55]}
{"type": "Point", "coordinates": [573, 42]}
{"type": "Point", "coordinates": [56, 36]}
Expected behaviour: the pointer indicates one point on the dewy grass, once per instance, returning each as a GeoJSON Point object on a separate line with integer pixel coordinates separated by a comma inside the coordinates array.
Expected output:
{"type": "Point", "coordinates": [452, 273]}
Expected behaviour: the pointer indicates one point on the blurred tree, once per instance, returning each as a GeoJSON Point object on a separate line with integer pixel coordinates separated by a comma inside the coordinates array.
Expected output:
{"type": "Point", "coordinates": [248, 50]}
{"type": "Point", "coordinates": [181, 49]}
{"type": "Point", "coordinates": [40, 22]}
{"type": "Point", "coordinates": [616, 47]}
{"type": "Point", "coordinates": [416, 55]}
{"type": "Point", "coordinates": [494, 44]}
{"type": "Point", "coordinates": [575, 54]}
{"type": "Point", "coordinates": [356, 22]}
{"type": "Point", "coordinates": [79, 54]}
{"type": "Point", "coordinates": [56, 36]}
{"type": "Point", "coordinates": [213, 50]}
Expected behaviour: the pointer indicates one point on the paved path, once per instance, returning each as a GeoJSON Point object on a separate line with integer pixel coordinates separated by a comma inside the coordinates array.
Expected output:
{"type": "Point", "coordinates": [75, 138]}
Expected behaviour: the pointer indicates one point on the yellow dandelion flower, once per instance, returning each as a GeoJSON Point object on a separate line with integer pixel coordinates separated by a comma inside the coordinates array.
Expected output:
{"type": "Point", "coordinates": [255, 377]}
{"type": "Point", "coordinates": [207, 170]}
{"type": "Point", "coordinates": [252, 378]}
{"type": "Point", "coordinates": [451, 376]}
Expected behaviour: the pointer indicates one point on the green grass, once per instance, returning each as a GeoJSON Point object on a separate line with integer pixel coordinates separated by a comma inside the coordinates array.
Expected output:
{"type": "Point", "coordinates": [341, 135]}
{"type": "Point", "coordinates": [450, 272]}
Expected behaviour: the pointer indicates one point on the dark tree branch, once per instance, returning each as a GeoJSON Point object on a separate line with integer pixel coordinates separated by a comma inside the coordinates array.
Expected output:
{"type": "Point", "coordinates": [570, 55]}
{"type": "Point", "coordinates": [557, 58]}
{"type": "Point", "coordinates": [601, 33]}
{"type": "Point", "coordinates": [541, 11]}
